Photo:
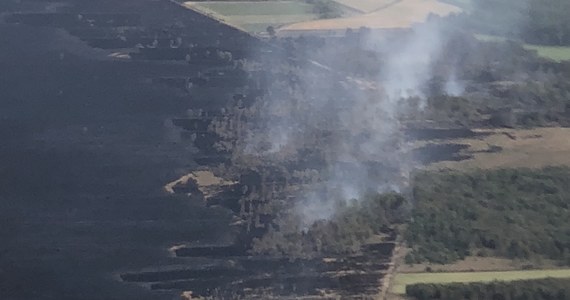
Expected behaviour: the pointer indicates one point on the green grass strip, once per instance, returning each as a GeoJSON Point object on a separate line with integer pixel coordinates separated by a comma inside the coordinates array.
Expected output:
{"type": "Point", "coordinates": [401, 280]}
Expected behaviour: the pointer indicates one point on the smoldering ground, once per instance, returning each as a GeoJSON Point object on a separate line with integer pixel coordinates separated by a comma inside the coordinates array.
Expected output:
{"type": "Point", "coordinates": [358, 130]}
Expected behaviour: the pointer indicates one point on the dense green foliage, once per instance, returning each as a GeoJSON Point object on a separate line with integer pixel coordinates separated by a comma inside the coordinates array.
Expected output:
{"type": "Point", "coordinates": [514, 213]}
{"type": "Point", "coordinates": [552, 289]}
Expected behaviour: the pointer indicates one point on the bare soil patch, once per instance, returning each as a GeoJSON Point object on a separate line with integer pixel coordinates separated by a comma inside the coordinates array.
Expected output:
{"type": "Point", "coordinates": [511, 148]}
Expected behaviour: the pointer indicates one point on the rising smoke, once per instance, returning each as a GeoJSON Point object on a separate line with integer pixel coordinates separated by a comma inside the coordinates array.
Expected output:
{"type": "Point", "coordinates": [356, 123]}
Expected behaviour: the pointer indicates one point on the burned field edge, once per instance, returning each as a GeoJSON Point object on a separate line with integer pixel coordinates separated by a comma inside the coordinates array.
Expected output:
{"type": "Point", "coordinates": [303, 273]}
{"type": "Point", "coordinates": [96, 30]}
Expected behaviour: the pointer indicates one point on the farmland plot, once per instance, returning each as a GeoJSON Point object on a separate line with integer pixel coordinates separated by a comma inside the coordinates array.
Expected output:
{"type": "Point", "coordinates": [402, 14]}
{"type": "Point", "coordinates": [402, 280]}
{"type": "Point", "coordinates": [256, 16]}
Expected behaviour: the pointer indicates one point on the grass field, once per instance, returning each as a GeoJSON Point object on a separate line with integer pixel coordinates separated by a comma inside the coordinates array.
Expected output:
{"type": "Point", "coordinates": [255, 16]}
{"type": "Point", "coordinates": [249, 8]}
{"type": "Point", "coordinates": [532, 148]}
{"type": "Point", "coordinates": [480, 264]}
{"type": "Point", "coordinates": [551, 52]}
{"type": "Point", "coordinates": [367, 6]}
{"type": "Point", "coordinates": [401, 280]}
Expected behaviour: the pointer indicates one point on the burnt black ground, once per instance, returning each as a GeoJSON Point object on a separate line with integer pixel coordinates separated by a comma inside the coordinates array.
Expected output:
{"type": "Point", "coordinates": [83, 156]}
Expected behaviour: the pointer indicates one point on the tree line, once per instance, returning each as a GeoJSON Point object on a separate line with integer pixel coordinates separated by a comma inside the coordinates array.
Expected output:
{"type": "Point", "coordinates": [513, 213]}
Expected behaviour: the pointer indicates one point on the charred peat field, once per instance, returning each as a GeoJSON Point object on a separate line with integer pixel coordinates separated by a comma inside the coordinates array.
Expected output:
{"type": "Point", "coordinates": [151, 152]}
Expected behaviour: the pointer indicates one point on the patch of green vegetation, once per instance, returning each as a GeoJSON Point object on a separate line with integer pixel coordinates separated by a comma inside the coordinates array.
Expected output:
{"type": "Point", "coordinates": [257, 16]}
{"type": "Point", "coordinates": [248, 8]}
{"type": "Point", "coordinates": [551, 52]}
{"type": "Point", "coordinates": [537, 289]}
{"type": "Point", "coordinates": [255, 27]}
{"type": "Point", "coordinates": [513, 213]}
{"type": "Point", "coordinates": [259, 23]}
{"type": "Point", "coordinates": [555, 53]}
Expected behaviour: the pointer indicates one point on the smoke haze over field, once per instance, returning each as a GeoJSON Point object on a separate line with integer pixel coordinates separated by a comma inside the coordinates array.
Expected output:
{"type": "Point", "coordinates": [358, 129]}
{"type": "Point", "coordinates": [409, 64]}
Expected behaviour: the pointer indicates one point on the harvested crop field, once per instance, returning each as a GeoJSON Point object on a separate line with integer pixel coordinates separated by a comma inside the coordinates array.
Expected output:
{"type": "Point", "coordinates": [401, 280]}
{"type": "Point", "coordinates": [256, 16]}
{"type": "Point", "coordinates": [367, 6]}
{"type": "Point", "coordinates": [296, 16]}
{"type": "Point", "coordinates": [400, 15]}
{"type": "Point", "coordinates": [510, 148]}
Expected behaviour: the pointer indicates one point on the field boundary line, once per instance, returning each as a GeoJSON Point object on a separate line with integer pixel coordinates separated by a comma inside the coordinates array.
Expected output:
{"type": "Point", "coordinates": [210, 14]}
{"type": "Point", "coordinates": [386, 6]}
{"type": "Point", "coordinates": [354, 9]}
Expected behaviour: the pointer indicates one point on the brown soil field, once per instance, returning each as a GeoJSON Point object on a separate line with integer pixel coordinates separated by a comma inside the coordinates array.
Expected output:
{"type": "Point", "coordinates": [400, 15]}
{"type": "Point", "coordinates": [532, 148]}
{"type": "Point", "coordinates": [206, 181]}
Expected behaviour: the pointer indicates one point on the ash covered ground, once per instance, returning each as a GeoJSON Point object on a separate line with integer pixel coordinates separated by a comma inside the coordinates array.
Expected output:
{"type": "Point", "coordinates": [103, 104]}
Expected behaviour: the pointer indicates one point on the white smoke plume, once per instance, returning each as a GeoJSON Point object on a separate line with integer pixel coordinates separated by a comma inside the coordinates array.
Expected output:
{"type": "Point", "coordinates": [364, 148]}
{"type": "Point", "coordinates": [409, 64]}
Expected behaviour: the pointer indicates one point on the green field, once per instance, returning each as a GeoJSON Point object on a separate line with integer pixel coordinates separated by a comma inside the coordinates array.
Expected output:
{"type": "Point", "coordinates": [366, 6]}
{"type": "Point", "coordinates": [551, 52]}
{"type": "Point", "coordinates": [230, 8]}
{"type": "Point", "coordinates": [255, 16]}
{"type": "Point", "coordinates": [401, 280]}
